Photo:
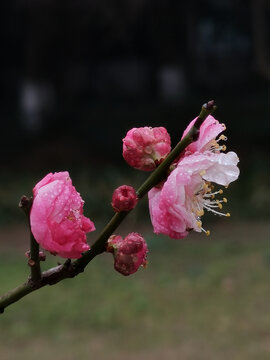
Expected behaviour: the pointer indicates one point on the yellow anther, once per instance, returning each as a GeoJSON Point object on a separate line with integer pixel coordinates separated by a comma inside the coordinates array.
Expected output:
{"type": "Point", "coordinates": [223, 137]}
{"type": "Point", "coordinates": [220, 191]}
{"type": "Point", "coordinates": [205, 186]}
{"type": "Point", "coordinates": [224, 126]}
{"type": "Point", "coordinates": [200, 212]}
{"type": "Point", "coordinates": [225, 200]}
{"type": "Point", "coordinates": [228, 214]}
{"type": "Point", "coordinates": [223, 148]}
{"type": "Point", "coordinates": [199, 224]}
{"type": "Point", "coordinates": [207, 233]}
{"type": "Point", "coordinates": [219, 204]}
{"type": "Point", "coordinates": [212, 196]}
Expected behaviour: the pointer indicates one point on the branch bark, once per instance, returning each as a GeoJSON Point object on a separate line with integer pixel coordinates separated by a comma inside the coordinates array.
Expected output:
{"type": "Point", "coordinates": [34, 261]}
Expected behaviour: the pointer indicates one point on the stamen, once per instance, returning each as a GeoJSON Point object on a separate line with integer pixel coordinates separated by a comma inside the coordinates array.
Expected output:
{"type": "Point", "coordinates": [205, 198]}
{"type": "Point", "coordinates": [214, 193]}
{"type": "Point", "coordinates": [215, 147]}
{"type": "Point", "coordinates": [207, 232]}
{"type": "Point", "coordinates": [219, 204]}
{"type": "Point", "coordinates": [216, 212]}
{"type": "Point", "coordinates": [222, 137]}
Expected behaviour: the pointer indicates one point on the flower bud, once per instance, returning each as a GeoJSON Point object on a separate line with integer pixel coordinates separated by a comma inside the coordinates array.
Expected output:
{"type": "Point", "coordinates": [124, 198]}
{"type": "Point", "coordinates": [129, 253]}
{"type": "Point", "coordinates": [144, 148]}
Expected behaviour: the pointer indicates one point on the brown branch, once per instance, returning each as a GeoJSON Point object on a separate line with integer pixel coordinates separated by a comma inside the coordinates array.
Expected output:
{"type": "Point", "coordinates": [34, 261]}
{"type": "Point", "coordinates": [71, 269]}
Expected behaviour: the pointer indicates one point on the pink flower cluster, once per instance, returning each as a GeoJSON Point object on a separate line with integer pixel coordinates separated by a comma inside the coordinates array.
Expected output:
{"type": "Point", "coordinates": [129, 253]}
{"type": "Point", "coordinates": [177, 207]}
{"type": "Point", "coordinates": [56, 217]}
{"type": "Point", "coordinates": [144, 148]}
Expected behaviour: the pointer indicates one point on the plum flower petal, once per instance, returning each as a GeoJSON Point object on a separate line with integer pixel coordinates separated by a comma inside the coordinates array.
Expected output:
{"type": "Point", "coordinates": [219, 168]}
{"type": "Point", "coordinates": [163, 222]}
{"type": "Point", "coordinates": [209, 130]}
{"type": "Point", "coordinates": [56, 218]}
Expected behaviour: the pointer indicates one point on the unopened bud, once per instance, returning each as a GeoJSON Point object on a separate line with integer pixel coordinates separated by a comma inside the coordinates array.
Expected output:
{"type": "Point", "coordinates": [129, 253]}
{"type": "Point", "coordinates": [144, 148]}
{"type": "Point", "coordinates": [124, 198]}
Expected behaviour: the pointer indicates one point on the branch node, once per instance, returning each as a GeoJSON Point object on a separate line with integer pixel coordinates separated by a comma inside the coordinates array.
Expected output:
{"type": "Point", "coordinates": [67, 263]}
{"type": "Point", "coordinates": [31, 262]}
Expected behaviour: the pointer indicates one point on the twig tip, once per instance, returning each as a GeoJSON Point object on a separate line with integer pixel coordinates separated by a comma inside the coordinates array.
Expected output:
{"type": "Point", "coordinates": [210, 105]}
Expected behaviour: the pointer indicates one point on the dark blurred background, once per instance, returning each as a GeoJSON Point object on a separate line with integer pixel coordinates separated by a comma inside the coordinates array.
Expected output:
{"type": "Point", "coordinates": [76, 75]}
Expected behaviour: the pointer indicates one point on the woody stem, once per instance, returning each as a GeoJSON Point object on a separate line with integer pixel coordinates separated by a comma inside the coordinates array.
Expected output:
{"type": "Point", "coordinates": [70, 269]}
{"type": "Point", "coordinates": [34, 261]}
{"type": "Point", "coordinates": [151, 181]}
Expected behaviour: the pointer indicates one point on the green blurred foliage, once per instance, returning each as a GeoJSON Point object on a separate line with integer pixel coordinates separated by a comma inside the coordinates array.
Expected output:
{"type": "Point", "coordinates": [198, 299]}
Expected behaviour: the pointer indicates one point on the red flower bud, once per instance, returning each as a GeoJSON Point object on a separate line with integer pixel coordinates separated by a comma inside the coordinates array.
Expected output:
{"type": "Point", "coordinates": [144, 148]}
{"type": "Point", "coordinates": [124, 198]}
{"type": "Point", "coordinates": [129, 253]}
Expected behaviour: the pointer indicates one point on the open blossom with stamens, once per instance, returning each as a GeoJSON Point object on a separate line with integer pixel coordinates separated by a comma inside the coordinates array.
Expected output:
{"type": "Point", "coordinates": [207, 140]}
{"type": "Point", "coordinates": [129, 253]}
{"type": "Point", "coordinates": [145, 147]}
{"type": "Point", "coordinates": [56, 218]}
{"type": "Point", "coordinates": [178, 206]}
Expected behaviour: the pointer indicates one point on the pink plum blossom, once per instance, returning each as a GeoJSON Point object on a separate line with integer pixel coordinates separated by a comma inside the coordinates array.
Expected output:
{"type": "Point", "coordinates": [178, 205]}
{"type": "Point", "coordinates": [124, 198]}
{"type": "Point", "coordinates": [56, 217]}
{"type": "Point", "coordinates": [129, 253]}
{"type": "Point", "coordinates": [209, 130]}
{"type": "Point", "coordinates": [145, 147]}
